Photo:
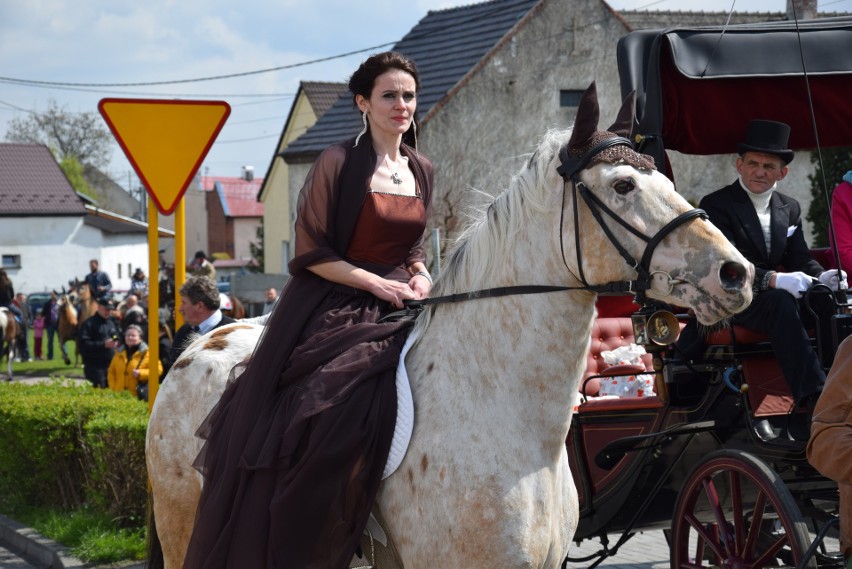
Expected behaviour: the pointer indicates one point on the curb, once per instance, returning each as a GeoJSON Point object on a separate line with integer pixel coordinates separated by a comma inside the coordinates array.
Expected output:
{"type": "Point", "coordinates": [40, 550]}
{"type": "Point", "coordinates": [44, 552]}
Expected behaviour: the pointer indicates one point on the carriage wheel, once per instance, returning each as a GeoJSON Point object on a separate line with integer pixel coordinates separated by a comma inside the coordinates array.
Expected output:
{"type": "Point", "coordinates": [734, 511]}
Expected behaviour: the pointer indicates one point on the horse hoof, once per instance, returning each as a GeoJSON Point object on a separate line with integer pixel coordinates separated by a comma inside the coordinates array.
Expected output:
{"type": "Point", "coordinates": [67, 362]}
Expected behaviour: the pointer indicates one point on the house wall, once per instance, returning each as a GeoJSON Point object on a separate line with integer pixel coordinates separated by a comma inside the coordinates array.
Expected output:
{"type": "Point", "coordinates": [279, 202]}
{"type": "Point", "coordinates": [489, 128]}
{"type": "Point", "coordinates": [298, 173]}
{"type": "Point", "coordinates": [245, 233]}
{"type": "Point", "coordinates": [217, 226]}
{"type": "Point", "coordinates": [55, 250]}
{"type": "Point", "coordinates": [197, 231]}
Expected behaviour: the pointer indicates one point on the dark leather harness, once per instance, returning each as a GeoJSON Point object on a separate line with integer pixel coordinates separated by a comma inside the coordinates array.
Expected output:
{"type": "Point", "coordinates": [570, 168]}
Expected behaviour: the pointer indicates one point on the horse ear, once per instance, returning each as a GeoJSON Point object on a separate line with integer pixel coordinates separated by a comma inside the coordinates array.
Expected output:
{"type": "Point", "coordinates": [586, 123]}
{"type": "Point", "coordinates": [623, 124]}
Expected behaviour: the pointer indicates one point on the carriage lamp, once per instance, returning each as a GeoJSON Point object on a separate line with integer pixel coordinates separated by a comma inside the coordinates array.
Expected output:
{"type": "Point", "coordinates": [653, 327]}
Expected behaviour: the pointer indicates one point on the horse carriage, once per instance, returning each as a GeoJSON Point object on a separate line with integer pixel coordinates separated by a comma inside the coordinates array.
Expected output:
{"type": "Point", "coordinates": [708, 458]}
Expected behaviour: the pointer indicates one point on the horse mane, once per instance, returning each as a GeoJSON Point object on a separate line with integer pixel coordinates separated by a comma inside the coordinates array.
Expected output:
{"type": "Point", "coordinates": [470, 260]}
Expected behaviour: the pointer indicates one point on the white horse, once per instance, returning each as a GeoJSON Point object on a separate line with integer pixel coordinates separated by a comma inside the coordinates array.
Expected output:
{"type": "Point", "coordinates": [485, 481]}
{"type": "Point", "coordinates": [8, 338]}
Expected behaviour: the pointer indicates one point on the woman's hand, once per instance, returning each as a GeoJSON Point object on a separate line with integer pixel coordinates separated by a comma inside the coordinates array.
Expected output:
{"type": "Point", "coordinates": [393, 291]}
{"type": "Point", "coordinates": [421, 286]}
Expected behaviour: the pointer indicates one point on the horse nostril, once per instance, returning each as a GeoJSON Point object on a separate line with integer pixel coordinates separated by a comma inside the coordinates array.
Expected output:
{"type": "Point", "coordinates": [732, 275]}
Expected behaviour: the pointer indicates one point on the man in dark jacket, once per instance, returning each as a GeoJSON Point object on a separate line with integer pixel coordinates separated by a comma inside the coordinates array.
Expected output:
{"type": "Point", "coordinates": [97, 280]}
{"type": "Point", "coordinates": [199, 304]}
{"type": "Point", "coordinates": [99, 336]}
{"type": "Point", "coordinates": [766, 227]}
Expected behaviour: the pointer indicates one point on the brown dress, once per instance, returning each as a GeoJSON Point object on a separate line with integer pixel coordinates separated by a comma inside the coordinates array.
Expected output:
{"type": "Point", "coordinates": [296, 447]}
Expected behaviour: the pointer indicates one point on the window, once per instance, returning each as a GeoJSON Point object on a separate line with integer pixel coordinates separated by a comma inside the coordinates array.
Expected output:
{"type": "Point", "coordinates": [11, 262]}
{"type": "Point", "coordinates": [570, 97]}
{"type": "Point", "coordinates": [119, 270]}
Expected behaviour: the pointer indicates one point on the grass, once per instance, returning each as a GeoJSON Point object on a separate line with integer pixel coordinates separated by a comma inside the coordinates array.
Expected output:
{"type": "Point", "coordinates": [55, 368]}
{"type": "Point", "coordinates": [91, 536]}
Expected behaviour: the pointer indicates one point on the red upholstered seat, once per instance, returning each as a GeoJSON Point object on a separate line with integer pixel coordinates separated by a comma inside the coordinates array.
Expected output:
{"type": "Point", "coordinates": [608, 334]}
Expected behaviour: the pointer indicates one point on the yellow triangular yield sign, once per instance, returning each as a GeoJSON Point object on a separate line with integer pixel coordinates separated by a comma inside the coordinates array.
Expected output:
{"type": "Point", "coordinates": [165, 141]}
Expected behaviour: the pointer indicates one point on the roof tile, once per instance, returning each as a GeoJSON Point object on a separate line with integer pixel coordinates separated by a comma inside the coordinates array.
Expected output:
{"type": "Point", "coordinates": [323, 95]}
{"type": "Point", "coordinates": [238, 196]}
{"type": "Point", "coordinates": [31, 183]}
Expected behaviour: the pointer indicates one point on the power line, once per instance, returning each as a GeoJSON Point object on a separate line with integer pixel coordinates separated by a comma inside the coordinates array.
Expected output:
{"type": "Point", "coordinates": [34, 83]}
{"type": "Point", "coordinates": [149, 94]}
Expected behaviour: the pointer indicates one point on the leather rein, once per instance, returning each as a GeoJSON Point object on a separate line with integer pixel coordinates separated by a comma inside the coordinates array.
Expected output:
{"type": "Point", "coordinates": [570, 170]}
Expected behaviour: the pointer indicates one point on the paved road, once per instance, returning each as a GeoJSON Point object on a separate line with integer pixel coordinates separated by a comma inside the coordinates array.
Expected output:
{"type": "Point", "coordinates": [647, 550]}
{"type": "Point", "coordinates": [9, 560]}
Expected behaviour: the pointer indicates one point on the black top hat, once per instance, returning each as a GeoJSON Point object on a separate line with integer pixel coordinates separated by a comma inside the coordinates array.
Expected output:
{"type": "Point", "coordinates": [768, 137]}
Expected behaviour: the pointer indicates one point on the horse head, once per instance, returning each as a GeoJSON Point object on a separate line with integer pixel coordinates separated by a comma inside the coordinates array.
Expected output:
{"type": "Point", "coordinates": [669, 250]}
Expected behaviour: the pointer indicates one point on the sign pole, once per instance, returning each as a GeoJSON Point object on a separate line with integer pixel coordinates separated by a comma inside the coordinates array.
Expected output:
{"type": "Point", "coordinates": [180, 258]}
{"type": "Point", "coordinates": [153, 302]}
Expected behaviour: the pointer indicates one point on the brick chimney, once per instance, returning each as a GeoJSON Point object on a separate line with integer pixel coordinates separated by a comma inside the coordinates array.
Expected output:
{"type": "Point", "coordinates": [805, 9]}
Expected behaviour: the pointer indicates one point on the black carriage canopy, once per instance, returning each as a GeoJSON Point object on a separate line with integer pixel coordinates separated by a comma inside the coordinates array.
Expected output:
{"type": "Point", "coordinates": [698, 88]}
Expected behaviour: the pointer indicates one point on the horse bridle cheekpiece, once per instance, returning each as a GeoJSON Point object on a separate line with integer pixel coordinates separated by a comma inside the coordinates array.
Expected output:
{"type": "Point", "coordinates": [570, 172]}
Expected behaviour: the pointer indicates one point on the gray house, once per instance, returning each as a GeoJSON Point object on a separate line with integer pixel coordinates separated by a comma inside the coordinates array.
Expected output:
{"type": "Point", "coordinates": [497, 75]}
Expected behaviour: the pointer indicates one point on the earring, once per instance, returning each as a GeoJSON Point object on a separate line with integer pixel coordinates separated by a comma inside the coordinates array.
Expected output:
{"type": "Point", "coordinates": [363, 130]}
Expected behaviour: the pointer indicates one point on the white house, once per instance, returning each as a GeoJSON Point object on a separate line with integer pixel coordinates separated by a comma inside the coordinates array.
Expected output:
{"type": "Point", "coordinates": [48, 234]}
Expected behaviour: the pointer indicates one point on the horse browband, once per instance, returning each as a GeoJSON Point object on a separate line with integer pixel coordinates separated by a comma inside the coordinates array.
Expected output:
{"type": "Point", "coordinates": [569, 169]}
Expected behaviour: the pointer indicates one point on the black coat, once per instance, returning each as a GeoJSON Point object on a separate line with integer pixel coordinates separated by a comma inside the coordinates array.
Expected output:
{"type": "Point", "coordinates": [182, 340]}
{"type": "Point", "coordinates": [93, 333]}
{"type": "Point", "coordinates": [731, 210]}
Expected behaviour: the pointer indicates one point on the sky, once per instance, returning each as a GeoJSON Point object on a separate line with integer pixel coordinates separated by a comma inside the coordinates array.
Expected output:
{"type": "Point", "coordinates": [100, 43]}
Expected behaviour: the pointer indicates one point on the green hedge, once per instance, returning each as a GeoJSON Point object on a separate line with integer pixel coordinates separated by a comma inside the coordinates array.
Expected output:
{"type": "Point", "coordinates": [70, 446]}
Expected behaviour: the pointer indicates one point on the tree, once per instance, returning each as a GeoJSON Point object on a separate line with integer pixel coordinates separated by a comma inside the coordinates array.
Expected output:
{"type": "Point", "coordinates": [78, 135]}
{"type": "Point", "coordinates": [835, 164]}
{"type": "Point", "coordinates": [257, 251]}
{"type": "Point", "coordinates": [74, 172]}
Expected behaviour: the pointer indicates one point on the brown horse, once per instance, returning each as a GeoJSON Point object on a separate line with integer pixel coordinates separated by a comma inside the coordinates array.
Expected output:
{"type": "Point", "coordinates": [8, 337]}
{"type": "Point", "coordinates": [68, 325]}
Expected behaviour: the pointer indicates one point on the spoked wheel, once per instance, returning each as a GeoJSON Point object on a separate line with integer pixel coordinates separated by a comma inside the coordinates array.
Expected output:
{"type": "Point", "coordinates": [735, 512]}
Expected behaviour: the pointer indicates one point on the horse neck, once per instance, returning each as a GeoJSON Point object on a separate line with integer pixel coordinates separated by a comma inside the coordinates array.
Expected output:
{"type": "Point", "coordinates": [526, 352]}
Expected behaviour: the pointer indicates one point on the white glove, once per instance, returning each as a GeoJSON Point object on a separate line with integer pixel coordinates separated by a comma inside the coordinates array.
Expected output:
{"type": "Point", "coordinates": [829, 279]}
{"type": "Point", "coordinates": [795, 283]}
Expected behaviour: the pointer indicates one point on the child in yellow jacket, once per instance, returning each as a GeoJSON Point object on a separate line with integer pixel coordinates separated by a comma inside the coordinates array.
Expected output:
{"type": "Point", "coordinates": [129, 366]}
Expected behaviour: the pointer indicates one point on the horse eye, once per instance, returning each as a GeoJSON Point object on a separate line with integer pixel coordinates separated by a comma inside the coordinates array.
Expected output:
{"type": "Point", "coordinates": [624, 186]}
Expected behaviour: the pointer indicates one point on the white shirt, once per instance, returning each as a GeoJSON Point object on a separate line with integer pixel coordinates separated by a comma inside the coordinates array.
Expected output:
{"type": "Point", "coordinates": [210, 322]}
{"type": "Point", "coordinates": [764, 214]}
